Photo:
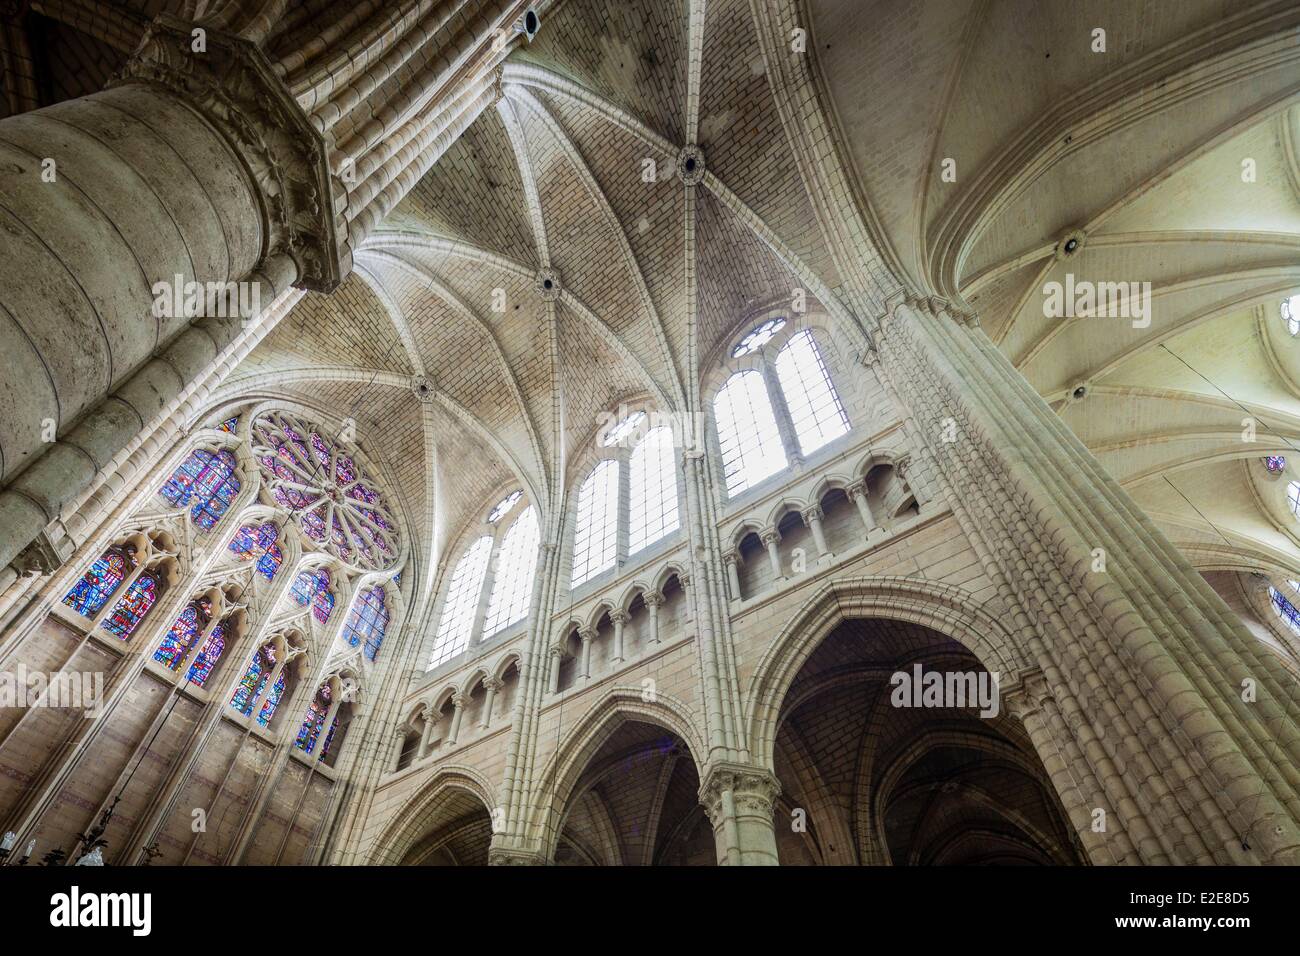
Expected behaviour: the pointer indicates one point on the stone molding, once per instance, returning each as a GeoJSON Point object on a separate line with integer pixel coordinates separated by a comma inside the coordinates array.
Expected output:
{"type": "Point", "coordinates": [235, 88]}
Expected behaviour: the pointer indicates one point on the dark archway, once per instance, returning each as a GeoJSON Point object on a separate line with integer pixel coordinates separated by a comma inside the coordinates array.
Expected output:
{"type": "Point", "coordinates": [636, 803]}
{"type": "Point", "coordinates": [873, 773]}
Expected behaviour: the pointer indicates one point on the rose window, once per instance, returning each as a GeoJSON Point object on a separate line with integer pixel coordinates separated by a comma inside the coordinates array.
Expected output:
{"type": "Point", "coordinates": [317, 479]}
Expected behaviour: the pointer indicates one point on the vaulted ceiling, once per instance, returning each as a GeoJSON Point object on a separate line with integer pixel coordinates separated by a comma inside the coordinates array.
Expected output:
{"type": "Point", "coordinates": [1138, 149]}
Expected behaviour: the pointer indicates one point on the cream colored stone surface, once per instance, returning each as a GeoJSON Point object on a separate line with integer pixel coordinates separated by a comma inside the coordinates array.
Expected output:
{"type": "Point", "coordinates": [479, 232]}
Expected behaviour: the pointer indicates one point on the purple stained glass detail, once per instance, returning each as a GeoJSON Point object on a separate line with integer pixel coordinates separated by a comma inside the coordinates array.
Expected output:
{"type": "Point", "coordinates": [1275, 464]}
{"type": "Point", "coordinates": [313, 587]}
{"type": "Point", "coordinates": [230, 425]}
{"type": "Point", "coordinates": [321, 450]}
{"type": "Point", "coordinates": [258, 543]}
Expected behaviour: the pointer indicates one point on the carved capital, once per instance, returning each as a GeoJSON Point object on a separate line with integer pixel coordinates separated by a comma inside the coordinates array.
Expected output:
{"type": "Point", "coordinates": [618, 616]}
{"type": "Point", "coordinates": [856, 489]}
{"type": "Point", "coordinates": [769, 536]}
{"type": "Point", "coordinates": [812, 513]}
{"type": "Point", "coordinates": [234, 87]}
{"type": "Point", "coordinates": [731, 556]}
{"type": "Point", "coordinates": [493, 683]}
{"type": "Point", "coordinates": [652, 599]}
{"type": "Point", "coordinates": [504, 856]}
{"type": "Point", "coordinates": [587, 634]}
{"type": "Point", "coordinates": [459, 700]}
{"type": "Point", "coordinates": [753, 791]}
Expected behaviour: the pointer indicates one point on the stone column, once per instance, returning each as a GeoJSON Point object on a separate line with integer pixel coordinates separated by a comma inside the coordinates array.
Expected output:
{"type": "Point", "coordinates": [731, 558]}
{"type": "Point", "coordinates": [619, 618]}
{"type": "Point", "coordinates": [457, 712]}
{"type": "Point", "coordinates": [192, 168]}
{"type": "Point", "coordinates": [430, 718]}
{"type": "Point", "coordinates": [740, 801]}
{"type": "Point", "coordinates": [1143, 662]}
{"type": "Point", "coordinates": [653, 602]}
{"type": "Point", "coordinates": [857, 493]}
{"type": "Point", "coordinates": [588, 635]}
{"type": "Point", "coordinates": [915, 482]}
{"type": "Point", "coordinates": [770, 537]}
{"type": "Point", "coordinates": [554, 658]}
{"type": "Point", "coordinates": [490, 687]}
{"type": "Point", "coordinates": [812, 518]}
{"type": "Point", "coordinates": [399, 733]}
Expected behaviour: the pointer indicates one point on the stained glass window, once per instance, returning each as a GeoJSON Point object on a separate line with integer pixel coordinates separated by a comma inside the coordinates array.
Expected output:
{"type": "Point", "coordinates": [313, 587]}
{"type": "Point", "coordinates": [1285, 610]}
{"type": "Point", "coordinates": [747, 432]}
{"type": "Point", "coordinates": [457, 622]}
{"type": "Point", "coordinates": [1275, 464]}
{"type": "Point", "coordinates": [258, 543]}
{"type": "Point", "coordinates": [329, 739]}
{"type": "Point", "coordinates": [206, 480]}
{"type": "Point", "coordinates": [317, 480]}
{"type": "Point", "coordinates": [367, 621]}
{"type": "Point", "coordinates": [815, 409]}
{"type": "Point", "coordinates": [652, 489]}
{"type": "Point", "coordinates": [317, 711]}
{"type": "Point", "coordinates": [230, 425]}
{"type": "Point", "coordinates": [595, 534]}
{"type": "Point", "coordinates": [516, 565]}
{"type": "Point", "coordinates": [254, 679]}
{"type": "Point", "coordinates": [272, 701]}
{"type": "Point", "coordinates": [99, 582]}
{"type": "Point", "coordinates": [1293, 497]}
{"type": "Point", "coordinates": [208, 656]}
{"type": "Point", "coordinates": [132, 606]}
{"type": "Point", "coordinates": [184, 632]}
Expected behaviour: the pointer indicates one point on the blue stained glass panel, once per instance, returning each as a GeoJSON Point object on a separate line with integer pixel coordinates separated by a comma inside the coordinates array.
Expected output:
{"type": "Point", "coordinates": [98, 583]}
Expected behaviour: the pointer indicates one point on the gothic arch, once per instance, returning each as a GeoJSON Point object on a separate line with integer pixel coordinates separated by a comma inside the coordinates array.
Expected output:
{"type": "Point", "coordinates": [618, 706]}
{"type": "Point", "coordinates": [422, 811]}
{"type": "Point", "coordinates": [950, 610]}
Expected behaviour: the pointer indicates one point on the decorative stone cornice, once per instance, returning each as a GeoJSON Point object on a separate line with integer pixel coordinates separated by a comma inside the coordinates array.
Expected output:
{"type": "Point", "coordinates": [233, 85]}
{"type": "Point", "coordinates": [754, 791]}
